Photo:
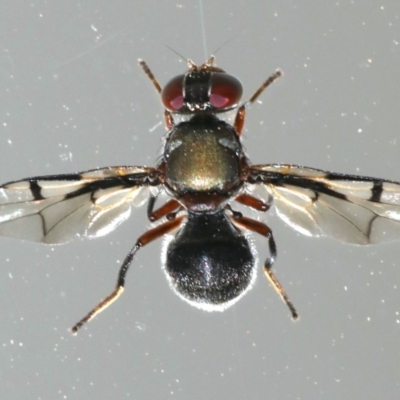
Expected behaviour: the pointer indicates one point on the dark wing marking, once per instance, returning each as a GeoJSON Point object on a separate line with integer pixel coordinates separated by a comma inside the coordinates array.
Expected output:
{"type": "Point", "coordinates": [350, 208]}
{"type": "Point", "coordinates": [56, 209]}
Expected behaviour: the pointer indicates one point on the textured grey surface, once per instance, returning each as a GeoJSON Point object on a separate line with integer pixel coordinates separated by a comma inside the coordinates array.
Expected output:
{"type": "Point", "coordinates": [73, 98]}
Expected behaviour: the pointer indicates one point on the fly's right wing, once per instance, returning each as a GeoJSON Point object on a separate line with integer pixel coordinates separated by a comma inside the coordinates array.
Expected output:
{"type": "Point", "coordinates": [350, 208]}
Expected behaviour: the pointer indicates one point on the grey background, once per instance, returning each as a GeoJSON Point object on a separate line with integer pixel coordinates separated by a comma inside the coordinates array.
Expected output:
{"type": "Point", "coordinates": [73, 98]}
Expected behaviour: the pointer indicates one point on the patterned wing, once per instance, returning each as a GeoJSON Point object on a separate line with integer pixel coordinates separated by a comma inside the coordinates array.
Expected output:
{"type": "Point", "coordinates": [350, 208]}
{"type": "Point", "coordinates": [56, 209]}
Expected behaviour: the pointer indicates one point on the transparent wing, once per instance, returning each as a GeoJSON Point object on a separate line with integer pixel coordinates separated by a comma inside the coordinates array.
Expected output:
{"type": "Point", "coordinates": [56, 209]}
{"type": "Point", "coordinates": [350, 208]}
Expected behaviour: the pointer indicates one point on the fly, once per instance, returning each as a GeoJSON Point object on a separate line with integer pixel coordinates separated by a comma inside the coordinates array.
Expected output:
{"type": "Point", "coordinates": [204, 171]}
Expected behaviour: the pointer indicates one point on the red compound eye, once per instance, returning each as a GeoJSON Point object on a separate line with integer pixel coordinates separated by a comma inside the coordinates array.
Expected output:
{"type": "Point", "coordinates": [172, 94]}
{"type": "Point", "coordinates": [226, 90]}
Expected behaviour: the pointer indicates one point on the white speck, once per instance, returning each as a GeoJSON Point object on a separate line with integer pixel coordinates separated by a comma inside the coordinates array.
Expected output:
{"type": "Point", "coordinates": [140, 326]}
{"type": "Point", "coordinates": [66, 156]}
{"type": "Point", "coordinates": [93, 27]}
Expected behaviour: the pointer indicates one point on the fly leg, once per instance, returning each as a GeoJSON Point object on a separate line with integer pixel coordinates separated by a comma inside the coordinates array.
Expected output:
{"type": "Point", "coordinates": [169, 210]}
{"type": "Point", "coordinates": [255, 226]}
{"type": "Point", "coordinates": [144, 239]}
{"type": "Point", "coordinates": [241, 113]}
{"type": "Point", "coordinates": [169, 122]}
{"type": "Point", "coordinates": [252, 202]}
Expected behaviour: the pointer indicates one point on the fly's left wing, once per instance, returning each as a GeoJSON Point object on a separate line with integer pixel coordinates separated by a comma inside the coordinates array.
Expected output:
{"type": "Point", "coordinates": [350, 208]}
{"type": "Point", "coordinates": [56, 209]}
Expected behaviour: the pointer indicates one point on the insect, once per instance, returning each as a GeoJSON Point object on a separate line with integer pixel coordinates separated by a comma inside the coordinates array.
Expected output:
{"type": "Point", "coordinates": [204, 171]}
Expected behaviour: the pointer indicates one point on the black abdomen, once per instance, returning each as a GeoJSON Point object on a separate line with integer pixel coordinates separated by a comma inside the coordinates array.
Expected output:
{"type": "Point", "coordinates": [209, 263]}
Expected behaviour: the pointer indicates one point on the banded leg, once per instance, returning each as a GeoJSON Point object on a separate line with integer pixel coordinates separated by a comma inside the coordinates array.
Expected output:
{"type": "Point", "coordinates": [262, 229]}
{"type": "Point", "coordinates": [169, 122]}
{"type": "Point", "coordinates": [240, 116]}
{"type": "Point", "coordinates": [151, 76]}
{"type": "Point", "coordinates": [144, 239]}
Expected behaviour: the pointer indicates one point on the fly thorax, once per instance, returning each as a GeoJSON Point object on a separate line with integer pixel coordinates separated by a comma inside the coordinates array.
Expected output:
{"type": "Point", "coordinates": [202, 155]}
